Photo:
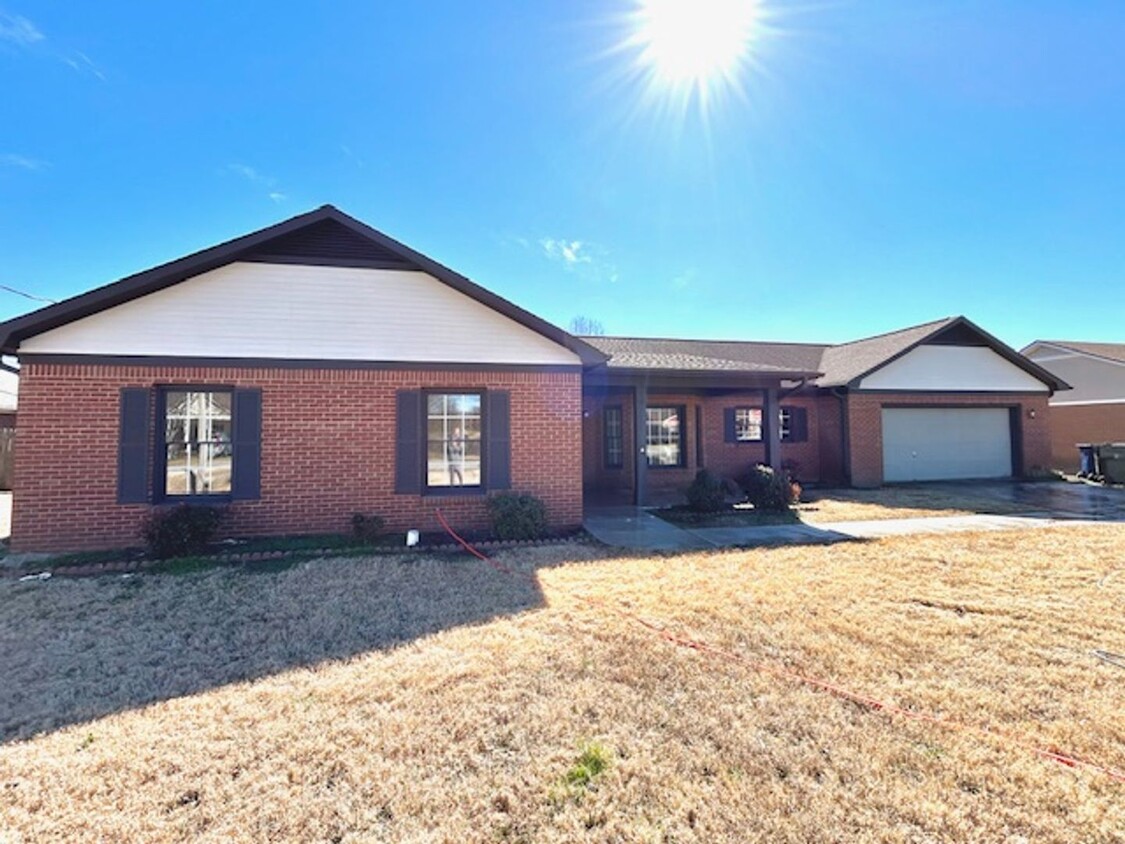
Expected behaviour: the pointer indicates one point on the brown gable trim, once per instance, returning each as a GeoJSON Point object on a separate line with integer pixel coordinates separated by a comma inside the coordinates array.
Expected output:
{"type": "Point", "coordinates": [16, 330]}
{"type": "Point", "coordinates": [289, 363]}
{"type": "Point", "coordinates": [1053, 383]}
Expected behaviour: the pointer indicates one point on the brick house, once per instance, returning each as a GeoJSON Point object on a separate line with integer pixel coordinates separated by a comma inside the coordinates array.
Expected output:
{"type": "Point", "coordinates": [1093, 410]}
{"type": "Point", "coordinates": [317, 368]}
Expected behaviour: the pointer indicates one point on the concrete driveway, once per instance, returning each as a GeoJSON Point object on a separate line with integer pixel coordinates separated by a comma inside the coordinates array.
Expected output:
{"type": "Point", "coordinates": [999, 506]}
{"type": "Point", "coordinates": [1046, 499]}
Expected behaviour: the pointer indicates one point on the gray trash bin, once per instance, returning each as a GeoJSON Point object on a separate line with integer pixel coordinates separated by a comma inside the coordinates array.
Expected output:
{"type": "Point", "coordinates": [1111, 462]}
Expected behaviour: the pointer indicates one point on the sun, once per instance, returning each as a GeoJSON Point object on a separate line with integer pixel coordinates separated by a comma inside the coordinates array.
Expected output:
{"type": "Point", "coordinates": [694, 49]}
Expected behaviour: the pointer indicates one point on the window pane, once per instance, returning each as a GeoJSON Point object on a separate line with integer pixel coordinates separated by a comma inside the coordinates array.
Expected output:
{"type": "Point", "coordinates": [663, 430]}
{"type": "Point", "coordinates": [614, 441]}
{"type": "Point", "coordinates": [748, 424]}
{"type": "Point", "coordinates": [453, 434]}
{"type": "Point", "coordinates": [198, 442]}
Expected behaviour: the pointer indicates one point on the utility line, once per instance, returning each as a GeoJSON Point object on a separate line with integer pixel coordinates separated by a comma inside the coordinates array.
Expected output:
{"type": "Point", "coordinates": [29, 295]}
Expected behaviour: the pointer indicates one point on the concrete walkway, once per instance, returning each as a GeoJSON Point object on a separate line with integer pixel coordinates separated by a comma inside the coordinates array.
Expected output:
{"type": "Point", "coordinates": [633, 527]}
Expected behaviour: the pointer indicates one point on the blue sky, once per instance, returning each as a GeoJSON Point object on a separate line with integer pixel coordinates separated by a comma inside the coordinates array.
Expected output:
{"type": "Point", "coordinates": [887, 162]}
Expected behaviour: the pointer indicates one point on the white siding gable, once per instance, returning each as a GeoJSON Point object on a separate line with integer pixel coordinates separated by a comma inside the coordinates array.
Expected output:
{"type": "Point", "coordinates": [251, 310]}
{"type": "Point", "coordinates": [953, 368]}
{"type": "Point", "coordinates": [1095, 380]}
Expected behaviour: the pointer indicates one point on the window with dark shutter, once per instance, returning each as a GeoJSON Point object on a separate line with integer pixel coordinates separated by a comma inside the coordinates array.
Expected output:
{"type": "Point", "coordinates": [246, 469]}
{"type": "Point", "coordinates": [133, 446]}
{"type": "Point", "coordinates": [499, 426]}
{"type": "Point", "coordinates": [408, 442]}
{"type": "Point", "coordinates": [794, 423]}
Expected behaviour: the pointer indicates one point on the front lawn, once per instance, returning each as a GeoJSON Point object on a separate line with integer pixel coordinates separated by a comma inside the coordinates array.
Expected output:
{"type": "Point", "coordinates": [427, 698]}
{"type": "Point", "coordinates": [819, 506]}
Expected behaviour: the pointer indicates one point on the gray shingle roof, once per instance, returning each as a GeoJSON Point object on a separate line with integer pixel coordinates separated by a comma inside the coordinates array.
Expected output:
{"type": "Point", "coordinates": [848, 361]}
{"type": "Point", "coordinates": [783, 359]}
{"type": "Point", "coordinates": [823, 364]}
{"type": "Point", "coordinates": [1111, 351]}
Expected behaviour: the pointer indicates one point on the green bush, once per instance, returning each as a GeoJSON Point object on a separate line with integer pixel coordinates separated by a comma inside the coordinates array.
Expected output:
{"type": "Point", "coordinates": [181, 530]}
{"type": "Point", "coordinates": [707, 493]}
{"type": "Point", "coordinates": [768, 490]}
{"type": "Point", "coordinates": [517, 515]}
{"type": "Point", "coordinates": [367, 528]}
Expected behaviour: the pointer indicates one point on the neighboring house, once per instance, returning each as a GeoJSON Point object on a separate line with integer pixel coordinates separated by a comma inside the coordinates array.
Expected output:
{"type": "Point", "coordinates": [1094, 410]}
{"type": "Point", "coordinates": [319, 368]}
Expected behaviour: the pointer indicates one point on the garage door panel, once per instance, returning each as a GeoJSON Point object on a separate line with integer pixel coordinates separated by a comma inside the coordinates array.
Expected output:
{"type": "Point", "coordinates": [945, 443]}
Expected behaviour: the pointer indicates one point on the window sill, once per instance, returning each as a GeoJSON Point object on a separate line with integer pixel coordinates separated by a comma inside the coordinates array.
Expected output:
{"type": "Point", "coordinates": [213, 500]}
{"type": "Point", "coordinates": [454, 492]}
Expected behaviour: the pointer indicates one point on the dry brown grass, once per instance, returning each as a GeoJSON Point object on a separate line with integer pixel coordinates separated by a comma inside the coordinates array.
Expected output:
{"type": "Point", "coordinates": [470, 727]}
{"type": "Point", "coordinates": [900, 502]}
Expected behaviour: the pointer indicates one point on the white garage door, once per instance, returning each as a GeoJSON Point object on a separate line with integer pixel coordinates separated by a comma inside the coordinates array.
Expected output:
{"type": "Point", "coordinates": [946, 443]}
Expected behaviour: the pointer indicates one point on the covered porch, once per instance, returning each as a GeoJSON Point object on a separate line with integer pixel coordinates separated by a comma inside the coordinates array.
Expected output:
{"type": "Point", "coordinates": [646, 433]}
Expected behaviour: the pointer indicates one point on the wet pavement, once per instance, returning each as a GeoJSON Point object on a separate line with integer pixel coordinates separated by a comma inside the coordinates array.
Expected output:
{"type": "Point", "coordinates": [1002, 506]}
{"type": "Point", "coordinates": [1047, 499]}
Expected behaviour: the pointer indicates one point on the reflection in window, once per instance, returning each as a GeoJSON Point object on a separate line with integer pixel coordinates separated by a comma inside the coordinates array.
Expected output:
{"type": "Point", "coordinates": [453, 445]}
{"type": "Point", "coordinates": [664, 441]}
{"type": "Point", "coordinates": [197, 443]}
{"type": "Point", "coordinates": [747, 424]}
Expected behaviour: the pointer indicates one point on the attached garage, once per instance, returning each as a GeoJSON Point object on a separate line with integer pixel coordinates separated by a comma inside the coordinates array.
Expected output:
{"type": "Point", "coordinates": [946, 443]}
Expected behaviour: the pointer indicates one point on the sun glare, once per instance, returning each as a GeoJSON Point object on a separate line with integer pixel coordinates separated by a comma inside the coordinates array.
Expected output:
{"type": "Point", "coordinates": [694, 49]}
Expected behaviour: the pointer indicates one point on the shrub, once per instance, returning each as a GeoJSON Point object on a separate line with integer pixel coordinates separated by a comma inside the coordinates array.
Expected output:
{"type": "Point", "coordinates": [707, 493]}
{"type": "Point", "coordinates": [517, 516]}
{"type": "Point", "coordinates": [367, 528]}
{"type": "Point", "coordinates": [767, 489]}
{"type": "Point", "coordinates": [181, 530]}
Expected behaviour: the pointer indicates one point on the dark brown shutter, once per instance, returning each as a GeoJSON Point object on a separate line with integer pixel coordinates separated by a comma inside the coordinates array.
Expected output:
{"type": "Point", "coordinates": [499, 456]}
{"type": "Point", "coordinates": [798, 424]}
{"type": "Point", "coordinates": [246, 472]}
{"type": "Point", "coordinates": [728, 425]}
{"type": "Point", "coordinates": [132, 446]}
{"type": "Point", "coordinates": [408, 442]}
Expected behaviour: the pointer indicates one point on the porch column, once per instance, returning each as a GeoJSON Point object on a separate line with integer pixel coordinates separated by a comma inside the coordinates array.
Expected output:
{"type": "Point", "coordinates": [772, 424]}
{"type": "Point", "coordinates": [640, 438]}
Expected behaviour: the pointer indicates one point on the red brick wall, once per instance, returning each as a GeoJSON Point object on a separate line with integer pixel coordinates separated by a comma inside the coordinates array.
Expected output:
{"type": "Point", "coordinates": [723, 458]}
{"type": "Point", "coordinates": [328, 441]}
{"type": "Point", "coordinates": [865, 427]}
{"type": "Point", "coordinates": [1083, 423]}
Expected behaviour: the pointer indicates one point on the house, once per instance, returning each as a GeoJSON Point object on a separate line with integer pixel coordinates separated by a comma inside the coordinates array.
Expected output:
{"type": "Point", "coordinates": [317, 368]}
{"type": "Point", "coordinates": [1094, 410]}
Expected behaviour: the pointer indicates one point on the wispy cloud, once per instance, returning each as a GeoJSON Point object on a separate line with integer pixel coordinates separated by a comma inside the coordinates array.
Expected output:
{"type": "Point", "coordinates": [23, 34]}
{"type": "Point", "coordinates": [588, 260]}
{"type": "Point", "coordinates": [260, 180]}
{"type": "Point", "coordinates": [18, 30]}
{"type": "Point", "coordinates": [567, 251]}
{"type": "Point", "coordinates": [82, 63]}
{"type": "Point", "coordinates": [23, 162]}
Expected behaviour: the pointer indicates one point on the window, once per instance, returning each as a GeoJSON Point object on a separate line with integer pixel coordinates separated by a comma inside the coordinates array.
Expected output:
{"type": "Point", "coordinates": [665, 436]}
{"type": "Point", "coordinates": [747, 424]}
{"type": "Point", "coordinates": [453, 440]}
{"type": "Point", "coordinates": [614, 438]}
{"type": "Point", "coordinates": [198, 448]}
{"type": "Point", "coordinates": [794, 424]}
{"type": "Point", "coordinates": [785, 423]}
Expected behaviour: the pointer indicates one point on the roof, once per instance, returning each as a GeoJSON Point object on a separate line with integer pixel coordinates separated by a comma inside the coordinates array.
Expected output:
{"type": "Point", "coordinates": [1109, 351]}
{"type": "Point", "coordinates": [784, 360]}
{"type": "Point", "coordinates": [825, 365]}
{"type": "Point", "coordinates": [325, 236]}
{"type": "Point", "coordinates": [849, 362]}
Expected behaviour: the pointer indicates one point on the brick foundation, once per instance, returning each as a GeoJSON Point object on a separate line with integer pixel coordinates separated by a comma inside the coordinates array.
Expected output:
{"type": "Point", "coordinates": [328, 439]}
